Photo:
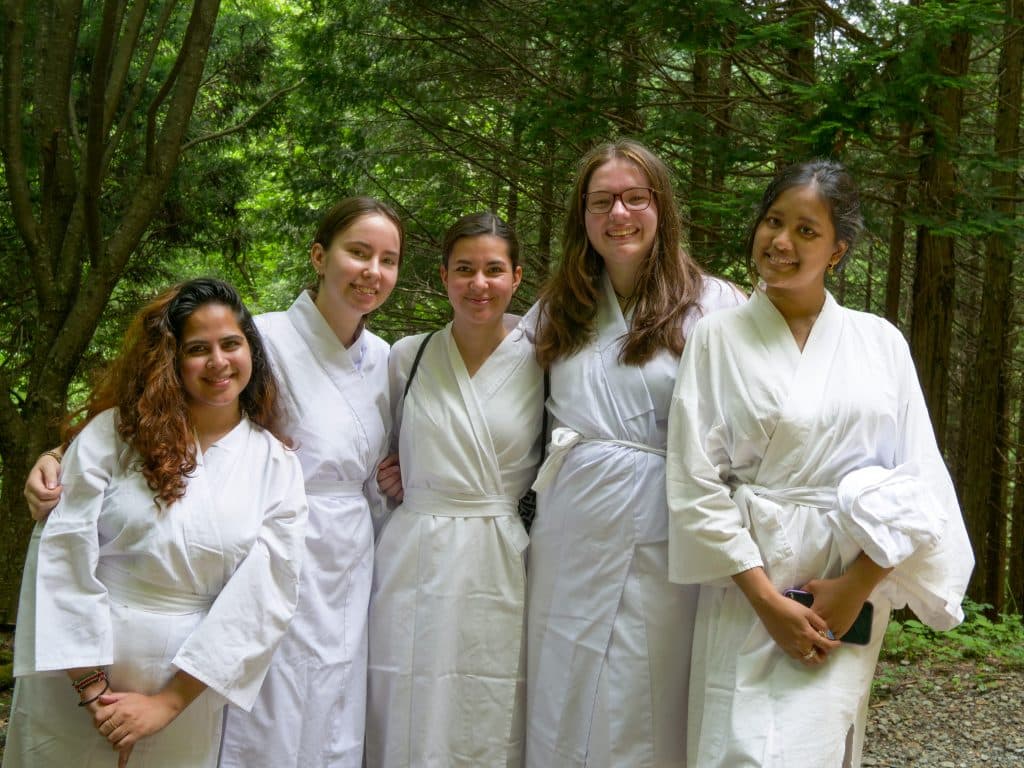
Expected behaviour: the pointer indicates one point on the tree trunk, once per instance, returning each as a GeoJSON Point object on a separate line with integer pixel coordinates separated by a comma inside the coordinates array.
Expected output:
{"type": "Point", "coordinates": [59, 191]}
{"type": "Point", "coordinates": [1015, 535]}
{"type": "Point", "coordinates": [935, 268]}
{"type": "Point", "coordinates": [984, 454]}
{"type": "Point", "coordinates": [897, 238]}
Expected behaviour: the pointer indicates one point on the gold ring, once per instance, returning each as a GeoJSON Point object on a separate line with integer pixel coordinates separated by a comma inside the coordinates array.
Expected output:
{"type": "Point", "coordinates": [810, 654]}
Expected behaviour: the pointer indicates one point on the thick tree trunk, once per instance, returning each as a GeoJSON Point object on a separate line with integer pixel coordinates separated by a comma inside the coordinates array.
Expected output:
{"type": "Point", "coordinates": [57, 189]}
{"type": "Point", "coordinates": [984, 451]}
{"type": "Point", "coordinates": [935, 268]}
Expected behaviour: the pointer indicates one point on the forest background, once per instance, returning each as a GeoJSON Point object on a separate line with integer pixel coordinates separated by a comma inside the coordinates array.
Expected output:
{"type": "Point", "coordinates": [148, 141]}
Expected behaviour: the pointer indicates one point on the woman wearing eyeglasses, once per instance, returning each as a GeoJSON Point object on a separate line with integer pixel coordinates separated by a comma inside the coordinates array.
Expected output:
{"type": "Point", "coordinates": [608, 635]}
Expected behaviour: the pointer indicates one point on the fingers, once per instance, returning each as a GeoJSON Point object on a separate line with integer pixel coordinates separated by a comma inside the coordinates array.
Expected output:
{"type": "Point", "coordinates": [41, 500]}
{"type": "Point", "coordinates": [391, 460]}
{"type": "Point", "coordinates": [49, 471]}
{"type": "Point", "coordinates": [817, 642]}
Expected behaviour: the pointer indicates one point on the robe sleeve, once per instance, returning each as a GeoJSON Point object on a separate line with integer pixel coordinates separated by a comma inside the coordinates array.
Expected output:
{"type": "Point", "coordinates": [231, 649]}
{"type": "Point", "coordinates": [708, 540]}
{"type": "Point", "coordinates": [72, 610]}
{"type": "Point", "coordinates": [908, 517]}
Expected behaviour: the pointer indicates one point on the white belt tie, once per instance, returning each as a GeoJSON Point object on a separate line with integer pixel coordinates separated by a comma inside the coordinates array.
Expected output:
{"type": "Point", "coordinates": [430, 502]}
{"type": "Point", "coordinates": [563, 440]}
{"type": "Point", "coordinates": [761, 509]}
{"type": "Point", "coordinates": [339, 488]}
{"type": "Point", "coordinates": [128, 590]}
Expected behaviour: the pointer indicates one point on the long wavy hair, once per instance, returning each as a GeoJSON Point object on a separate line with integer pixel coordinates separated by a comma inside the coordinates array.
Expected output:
{"type": "Point", "coordinates": [144, 384]}
{"type": "Point", "coordinates": [668, 282]}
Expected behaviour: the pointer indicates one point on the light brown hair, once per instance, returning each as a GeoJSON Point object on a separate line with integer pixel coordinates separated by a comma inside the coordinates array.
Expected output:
{"type": "Point", "coordinates": [668, 282]}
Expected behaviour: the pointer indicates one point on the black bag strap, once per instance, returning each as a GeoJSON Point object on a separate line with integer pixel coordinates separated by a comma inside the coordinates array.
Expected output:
{"type": "Point", "coordinates": [416, 364]}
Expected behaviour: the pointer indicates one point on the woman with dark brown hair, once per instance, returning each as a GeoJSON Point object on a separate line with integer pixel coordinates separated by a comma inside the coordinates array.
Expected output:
{"type": "Point", "coordinates": [608, 635]}
{"type": "Point", "coordinates": [165, 578]}
{"type": "Point", "coordinates": [447, 661]}
{"type": "Point", "coordinates": [806, 493]}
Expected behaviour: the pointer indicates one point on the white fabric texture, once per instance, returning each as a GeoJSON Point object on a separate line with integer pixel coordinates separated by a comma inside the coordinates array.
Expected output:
{"type": "Point", "coordinates": [608, 634]}
{"type": "Point", "coordinates": [312, 708]}
{"type": "Point", "coordinates": [797, 461]}
{"type": "Point", "coordinates": [447, 660]}
{"type": "Point", "coordinates": [206, 586]}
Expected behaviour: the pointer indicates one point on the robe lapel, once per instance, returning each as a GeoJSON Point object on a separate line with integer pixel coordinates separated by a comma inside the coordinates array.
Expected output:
{"type": "Point", "coordinates": [204, 512]}
{"type": "Point", "coordinates": [474, 411]}
{"type": "Point", "coordinates": [801, 405]}
{"type": "Point", "coordinates": [325, 349]}
{"type": "Point", "coordinates": [631, 394]}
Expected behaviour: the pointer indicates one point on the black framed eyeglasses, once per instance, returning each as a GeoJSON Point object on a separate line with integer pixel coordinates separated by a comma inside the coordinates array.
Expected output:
{"type": "Point", "coordinates": [634, 199]}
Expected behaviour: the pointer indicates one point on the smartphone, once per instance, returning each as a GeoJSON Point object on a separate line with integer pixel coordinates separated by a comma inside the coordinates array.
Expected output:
{"type": "Point", "coordinates": [859, 633]}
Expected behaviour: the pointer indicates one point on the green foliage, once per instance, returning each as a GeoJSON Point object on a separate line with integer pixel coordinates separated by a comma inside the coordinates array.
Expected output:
{"type": "Point", "coordinates": [977, 638]}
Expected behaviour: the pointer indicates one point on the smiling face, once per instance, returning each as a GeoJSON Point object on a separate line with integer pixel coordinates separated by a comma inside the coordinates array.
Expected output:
{"type": "Point", "coordinates": [480, 279]}
{"type": "Point", "coordinates": [359, 267]}
{"type": "Point", "coordinates": [795, 243]}
{"type": "Point", "coordinates": [214, 359]}
{"type": "Point", "coordinates": [623, 238]}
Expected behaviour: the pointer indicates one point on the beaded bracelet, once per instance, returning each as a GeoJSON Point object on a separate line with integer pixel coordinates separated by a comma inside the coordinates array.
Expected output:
{"type": "Point", "coordinates": [87, 702]}
{"type": "Point", "coordinates": [88, 679]}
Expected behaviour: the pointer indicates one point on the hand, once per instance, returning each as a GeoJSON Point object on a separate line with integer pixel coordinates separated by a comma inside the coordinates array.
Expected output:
{"type": "Point", "coordinates": [42, 487]}
{"type": "Point", "coordinates": [838, 601]}
{"type": "Point", "coordinates": [124, 718]}
{"type": "Point", "coordinates": [797, 630]}
{"type": "Point", "coordinates": [389, 478]}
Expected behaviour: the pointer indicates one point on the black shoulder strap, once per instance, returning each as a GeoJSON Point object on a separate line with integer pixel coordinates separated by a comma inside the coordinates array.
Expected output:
{"type": "Point", "coordinates": [416, 364]}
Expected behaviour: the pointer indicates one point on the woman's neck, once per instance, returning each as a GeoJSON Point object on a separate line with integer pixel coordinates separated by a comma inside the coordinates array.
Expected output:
{"type": "Point", "coordinates": [799, 312]}
{"type": "Point", "coordinates": [345, 323]}
{"type": "Point", "coordinates": [623, 280]}
{"type": "Point", "coordinates": [211, 424]}
{"type": "Point", "coordinates": [476, 343]}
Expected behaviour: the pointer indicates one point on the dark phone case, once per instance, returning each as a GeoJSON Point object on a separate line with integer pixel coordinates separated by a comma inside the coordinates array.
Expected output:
{"type": "Point", "coordinates": [860, 632]}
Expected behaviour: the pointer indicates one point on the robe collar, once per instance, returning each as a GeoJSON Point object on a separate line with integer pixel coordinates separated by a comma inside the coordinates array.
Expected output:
{"type": "Point", "coordinates": [325, 347]}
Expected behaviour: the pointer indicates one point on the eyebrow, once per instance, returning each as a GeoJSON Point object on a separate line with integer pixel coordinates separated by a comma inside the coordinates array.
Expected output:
{"type": "Point", "coordinates": [199, 339]}
{"type": "Point", "coordinates": [488, 263]}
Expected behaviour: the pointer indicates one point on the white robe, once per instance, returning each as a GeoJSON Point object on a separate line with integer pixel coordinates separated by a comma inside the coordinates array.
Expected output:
{"type": "Point", "coordinates": [608, 635]}
{"type": "Point", "coordinates": [205, 586]}
{"type": "Point", "coordinates": [312, 709]}
{"type": "Point", "coordinates": [798, 462]}
{"type": "Point", "coordinates": [446, 618]}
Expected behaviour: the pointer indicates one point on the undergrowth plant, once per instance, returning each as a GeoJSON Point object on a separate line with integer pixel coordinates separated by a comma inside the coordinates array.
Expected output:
{"type": "Point", "coordinates": [977, 638]}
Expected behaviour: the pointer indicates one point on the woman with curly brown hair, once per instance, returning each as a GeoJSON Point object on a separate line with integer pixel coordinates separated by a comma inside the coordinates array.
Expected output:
{"type": "Point", "coordinates": [608, 635]}
{"type": "Point", "coordinates": [166, 576]}
{"type": "Point", "coordinates": [333, 374]}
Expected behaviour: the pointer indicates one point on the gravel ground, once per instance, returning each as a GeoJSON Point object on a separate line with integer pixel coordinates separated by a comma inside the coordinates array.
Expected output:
{"type": "Point", "coordinates": [938, 716]}
{"type": "Point", "coordinates": [946, 716]}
